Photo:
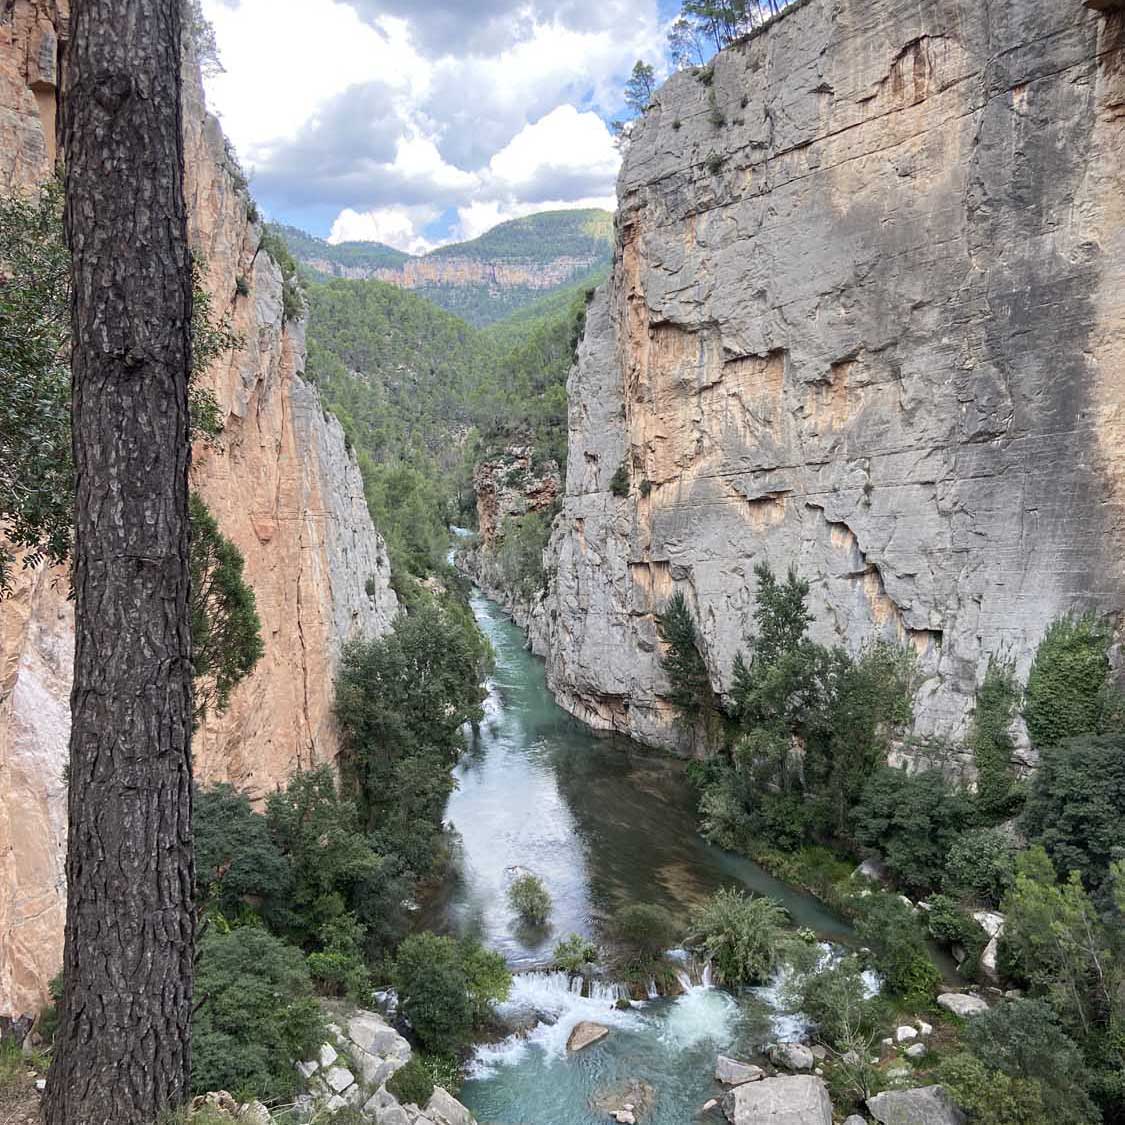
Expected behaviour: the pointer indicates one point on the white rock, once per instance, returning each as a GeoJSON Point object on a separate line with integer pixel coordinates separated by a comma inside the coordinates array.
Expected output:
{"type": "Point", "coordinates": [308, 1069]}
{"type": "Point", "coordinates": [820, 1053]}
{"type": "Point", "coordinates": [254, 1113]}
{"type": "Point", "coordinates": [905, 1032]}
{"type": "Point", "coordinates": [624, 1117]}
{"type": "Point", "coordinates": [444, 1109]}
{"type": "Point", "coordinates": [731, 1072]}
{"type": "Point", "coordinates": [41, 1084]}
{"type": "Point", "coordinates": [989, 921]}
{"type": "Point", "coordinates": [926, 1105]}
{"type": "Point", "coordinates": [327, 1054]}
{"type": "Point", "coordinates": [710, 1104]}
{"type": "Point", "coordinates": [962, 1004]}
{"type": "Point", "coordinates": [339, 1078]}
{"type": "Point", "coordinates": [915, 1051]}
{"type": "Point", "coordinates": [790, 1100]}
{"type": "Point", "coordinates": [855, 1119]}
{"type": "Point", "coordinates": [792, 1056]}
{"type": "Point", "coordinates": [872, 869]}
{"type": "Point", "coordinates": [335, 1103]}
{"type": "Point", "coordinates": [389, 1115]}
{"type": "Point", "coordinates": [925, 1029]}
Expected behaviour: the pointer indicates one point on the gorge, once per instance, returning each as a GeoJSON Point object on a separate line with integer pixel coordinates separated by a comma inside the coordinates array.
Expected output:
{"type": "Point", "coordinates": [849, 407]}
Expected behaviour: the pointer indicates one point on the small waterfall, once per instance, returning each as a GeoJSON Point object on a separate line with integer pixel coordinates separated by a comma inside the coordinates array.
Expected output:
{"type": "Point", "coordinates": [684, 980]}
{"type": "Point", "coordinates": [706, 978]}
{"type": "Point", "coordinates": [652, 991]}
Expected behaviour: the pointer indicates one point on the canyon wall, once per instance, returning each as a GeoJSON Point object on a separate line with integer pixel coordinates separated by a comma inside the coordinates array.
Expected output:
{"type": "Point", "coordinates": [866, 319]}
{"type": "Point", "coordinates": [282, 485]}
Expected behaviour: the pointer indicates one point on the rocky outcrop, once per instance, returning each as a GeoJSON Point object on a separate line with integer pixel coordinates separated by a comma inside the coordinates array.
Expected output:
{"type": "Point", "coordinates": [927, 1105]}
{"type": "Point", "coordinates": [801, 1100]}
{"type": "Point", "coordinates": [283, 487]}
{"type": "Point", "coordinates": [867, 319]}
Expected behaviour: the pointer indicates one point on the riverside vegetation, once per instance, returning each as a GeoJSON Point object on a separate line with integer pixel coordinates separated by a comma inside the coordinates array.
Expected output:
{"type": "Point", "coordinates": [796, 777]}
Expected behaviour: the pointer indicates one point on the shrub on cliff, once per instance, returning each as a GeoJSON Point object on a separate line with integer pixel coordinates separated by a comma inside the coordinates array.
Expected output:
{"type": "Point", "coordinates": [530, 900]}
{"type": "Point", "coordinates": [1066, 693]}
{"type": "Point", "coordinates": [411, 1083]}
{"type": "Point", "coordinates": [256, 1015]}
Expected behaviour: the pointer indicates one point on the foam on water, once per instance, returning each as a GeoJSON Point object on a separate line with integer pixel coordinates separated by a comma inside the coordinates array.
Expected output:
{"type": "Point", "coordinates": [702, 1013]}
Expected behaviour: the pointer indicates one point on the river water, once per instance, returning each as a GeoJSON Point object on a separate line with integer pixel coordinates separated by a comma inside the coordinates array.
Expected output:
{"type": "Point", "coordinates": [602, 823]}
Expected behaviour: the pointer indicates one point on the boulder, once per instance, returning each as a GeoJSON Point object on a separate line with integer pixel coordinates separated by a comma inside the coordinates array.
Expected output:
{"type": "Point", "coordinates": [389, 1115]}
{"type": "Point", "coordinates": [792, 1056]}
{"type": "Point", "coordinates": [444, 1109]}
{"type": "Point", "coordinates": [926, 1105]}
{"type": "Point", "coordinates": [339, 1078]}
{"type": "Point", "coordinates": [791, 1100]}
{"type": "Point", "coordinates": [915, 1051]}
{"type": "Point", "coordinates": [855, 1119]}
{"type": "Point", "coordinates": [962, 1004]}
{"type": "Point", "coordinates": [904, 1033]}
{"type": "Point", "coordinates": [373, 1034]}
{"type": "Point", "coordinates": [926, 1029]}
{"type": "Point", "coordinates": [584, 1034]}
{"type": "Point", "coordinates": [731, 1072]}
{"type": "Point", "coordinates": [635, 1096]}
{"type": "Point", "coordinates": [254, 1113]}
{"type": "Point", "coordinates": [327, 1055]}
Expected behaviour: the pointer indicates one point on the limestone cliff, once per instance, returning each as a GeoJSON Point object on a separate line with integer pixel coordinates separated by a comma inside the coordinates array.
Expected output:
{"type": "Point", "coordinates": [283, 487]}
{"type": "Point", "coordinates": [866, 318]}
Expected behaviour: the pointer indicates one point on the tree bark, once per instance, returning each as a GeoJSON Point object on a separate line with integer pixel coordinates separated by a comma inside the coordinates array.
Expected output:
{"type": "Point", "coordinates": [123, 1050]}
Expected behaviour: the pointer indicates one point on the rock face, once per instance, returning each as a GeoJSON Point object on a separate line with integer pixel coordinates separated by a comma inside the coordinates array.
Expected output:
{"type": "Point", "coordinates": [866, 318]}
{"type": "Point", "coordinates": [928, 1105]}
{"type": "Point", "coordinates": [283, 487]}
{"type": "Point", "coordinates": [800, 1100]}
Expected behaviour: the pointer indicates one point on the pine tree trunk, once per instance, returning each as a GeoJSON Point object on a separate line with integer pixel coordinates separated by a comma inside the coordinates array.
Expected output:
{"type": "Point", "coordinates": [123, 1051]}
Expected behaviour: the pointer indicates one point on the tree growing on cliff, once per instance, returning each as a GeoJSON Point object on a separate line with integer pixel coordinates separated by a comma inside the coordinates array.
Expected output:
{"type": "Point", "coordinates": [682, 661]}
{"type": "Point", "coordinates": [640, 87]}
{"type": "Point", "coordinates": [123, 1048]}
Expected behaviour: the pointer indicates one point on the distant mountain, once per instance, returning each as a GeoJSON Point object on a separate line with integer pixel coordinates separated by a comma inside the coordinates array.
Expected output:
{"type": "Point", "coordinates": [485, 280]}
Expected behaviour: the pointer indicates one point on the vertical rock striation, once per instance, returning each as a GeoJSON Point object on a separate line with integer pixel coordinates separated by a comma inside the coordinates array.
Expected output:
{"type": "Point", "coordinates": [283, 487]}
{"type": "Point", "coordinates": [866, 318]}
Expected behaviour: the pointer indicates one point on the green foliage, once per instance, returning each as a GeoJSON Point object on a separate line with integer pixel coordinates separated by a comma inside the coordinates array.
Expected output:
{"type": "Point", "coordinates": [338, 966]}
{"type": "Point", "coordinates": [642, 932]}
{"type": "Point", "coordinates": [236, 860]}
{"type": "Point", "coordinates": [707, 26]}
{"type": "Point", "coordinates": [640, 87]}
{"type": "Point", "coordinates": [981, 865]}
{"type": "Point", "coordinates": [682, 661]}
{"type": "Point", "coordinates": [401, 701]}
{"type": "Point", "coordinates": [519, 557]}
{"type": "Point", "coordinates": [619, 484]}
{"type": "Point", "coordinates": [991, 741]}
{"type": "Point", "coordinates": [741, 935]}
{"type": "Point", "coordinates": [912, 819]}
{"type": "Point", "coordinates": [833, 997]}
{"type": "Point", "coordinates": [530, 900]}
{"type": "Point", "coordinates": [445, 988]}
{"type": "Point", "coordinates": [889, 927]}
{"type": "Point", "coordinates": [226, 634]}
{"type": "Point", "coordinates": [411, 1083]}
{"type": "Point", "coordinates": [256, 1015]}
{"type": "Point", "coordinates": [292, 295]}
{"type": "Point", "coordinates": [1076, 805]}
{"type": "Point", "coordinates": [1066, 693]}
{"type": "Point", "coordinates": [950, 924]}
{"type": "Point", "coordinates": [573, 952]}
{"type": "Point", "coordinates": [1020, 1069]}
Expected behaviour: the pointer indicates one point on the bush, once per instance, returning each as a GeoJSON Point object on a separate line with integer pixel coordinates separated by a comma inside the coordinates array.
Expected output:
{"type": "Point", "coordinates": [981, 865]}
{"type": "Point", "coordinates": [1076, 805]}
{"type": "Point", "coordinates": [619, 485]}
{"type": "Point", "coordinates": [520, 554]}
{"type": "Point", "coordinates": [949, 924]}
{"type": "Point", "coordinates": [1066, 686]}
{"type": "Point", "coordinates": [573, 953]}
{"type": "Point", "coordinates": [256, 1017]}
{"type": "Point", "coordinates": [997, 795]}
{"type": "Point", "coordinates": [530, 900]}
{"type": "Point", "coordinates": [912, 820]}
{"type": "Point", "coordinates": [741, 935]}
{"type": "Point", "coordinates": [833, 998]}
{"type": "Point", "coordinates": [445, 988]}
{"type": "Point", "coordinates": [411, 1083]}
{"type": "Point", "coordinates": [889, 927]}
{"type": "Point", "coordinates": [644, 930]}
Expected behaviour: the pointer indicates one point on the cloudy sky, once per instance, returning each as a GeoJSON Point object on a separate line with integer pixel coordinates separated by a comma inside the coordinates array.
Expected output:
{"type": "Point", "coordinates": [417, 122]}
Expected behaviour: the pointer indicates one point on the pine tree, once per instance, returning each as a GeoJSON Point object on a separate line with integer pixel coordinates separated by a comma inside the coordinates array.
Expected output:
{"type": "Point", "coordinates": [683, 663]}
{"type": "Point", "coordinates": [640, 87]}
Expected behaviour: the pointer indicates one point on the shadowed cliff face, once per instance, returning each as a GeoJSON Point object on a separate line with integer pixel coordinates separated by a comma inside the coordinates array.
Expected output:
{"type": "Point", "coordinates": [867, 317]}
{"type": "Point", "coordinates": [284, 488]}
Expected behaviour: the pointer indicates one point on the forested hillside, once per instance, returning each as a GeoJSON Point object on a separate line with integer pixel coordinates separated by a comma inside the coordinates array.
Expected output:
{"type": "Point", "coordinates": [510, 267]}
{"type": "Point", "coordinates": [423, 396]}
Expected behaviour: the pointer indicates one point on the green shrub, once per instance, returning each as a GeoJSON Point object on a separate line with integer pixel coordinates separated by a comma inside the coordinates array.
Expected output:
{"type": "Point", "coordinates": [833, 998]}
{"type": "Point", "coordinates": [644, 929]}
{"type": "Point", "coordinates": [411, 1083]}
{"type": "Point", "coordinates": [1066, 686]}
{"type": "Point", "coordinates": [619, 485]}
{"type": "Point", "coordinates": [519, 556]}
{"type": "Point", "coordinates": [242, 286]}
{"type": "Point", "coordinates": [892, 931]}
{"type": "Point", "coordinates": [530, 900]}
{"type": "Point", "coordinates": [949, 924]}
{"type": "Point", "coordinates": [445, 988]}
{"type": "Point", "coordinates": [912, 820]}
{"type": "Point", "coordinates": [256, 1015]}
{"type": "Point", "coordinates": [990, 1097]}
{"type": "Point", "coordinates": [292, 296]}
{"type": "Point", "coordinates": [741, 935]}
{"type": "Point", "coordinates": [981, 865]}
{"type": "Point", "coordinates": [572, 953]}
{"type": "Point", "coordinates": [338, 967]}
{"type": "Point", "coordinates": [1076, 805]}
{"type": "Point", "coordinates": [992, 743]}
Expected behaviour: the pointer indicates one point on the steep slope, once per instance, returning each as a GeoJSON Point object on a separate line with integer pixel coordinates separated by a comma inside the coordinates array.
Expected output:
{"type": "Point", "coordinates": [486, 279]}
{"type": "Point", "coordinates": [284, 488]}
{"type": "Point", "coordinates": [866, 318]}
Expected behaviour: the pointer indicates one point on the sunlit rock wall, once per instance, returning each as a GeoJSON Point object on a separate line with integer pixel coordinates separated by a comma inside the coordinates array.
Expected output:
{"type": "Point", "coordinates": [283, 486]}
{"type": "Point", "coordinates": [866, 318]}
